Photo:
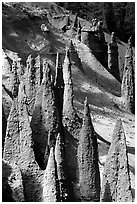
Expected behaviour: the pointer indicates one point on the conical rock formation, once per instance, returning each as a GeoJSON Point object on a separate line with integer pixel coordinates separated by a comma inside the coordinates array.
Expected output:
{"type": "Point", "coordinates": [12, 139]}
{"type": "Point", "coordinates": [116, 186]}
{"type": "Point", "coordinates": [128, 81]}
{"type": "Point", "coordinates": [89, 176]}
{"type": "Point", "coordinates": [113, 62]}
{"type": "Point", "coordinates": [31, 172]}
{"type": "Point", "coordinates": [50, 186]}
{"type": "Point", "coordinates": [61, 169]}
{"type": "Point", "coordinates": [45, 120]}
{"type": "Point", "coordinates": [70, 118]}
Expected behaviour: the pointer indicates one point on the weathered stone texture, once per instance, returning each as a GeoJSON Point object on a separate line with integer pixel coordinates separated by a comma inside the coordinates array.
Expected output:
{"type": "Point", "coordinates": [12, 185]}
{"type": "Point", "coordinates": [128, 81]}
{"type": "Point", "coordinates": [116, 186]}
{"type": "Point", "coordinates": [45, 119]}
{"type": "Point", "coordinates": [50, 185]}
{"type": "Point", "coordinates": [113, 61]}
{"type": "Point", "coordinates": [64, 184]}
{"type": "Point", "coordinates": [12, 139]}
{"type": "Point", "coordinates": [89, 176]}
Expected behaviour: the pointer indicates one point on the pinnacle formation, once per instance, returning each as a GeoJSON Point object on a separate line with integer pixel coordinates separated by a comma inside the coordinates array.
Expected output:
{"type": "Point", "coordinates": [116, 186]}
{"type": "Point", "coordinates": [128, 81]}
{"type": "Point", "coordinates": [45, 119]}
{"type": "Point", "coordinates": [61, 169]}
{"type": "Point", "coordinates": [113, 62]}
{"type": "Point", "coordinates": [50, 182]}
{"type": "Point", "coordinates": [89, 176]}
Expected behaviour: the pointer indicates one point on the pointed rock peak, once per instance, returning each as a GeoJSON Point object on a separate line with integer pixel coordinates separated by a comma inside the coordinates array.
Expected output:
{"type": "Point", "coordinates": [87, 117]}
{"type": "Point", "coordinates": [46, 71]}
{"type": "Point", "coordinates": [118, 131]}
{"type": "Point", "coordinates": [58, 61]}
{"type": "Point", "coordinates": [50, 192]}
{"type": "Point", "coordinates": [113, 37]}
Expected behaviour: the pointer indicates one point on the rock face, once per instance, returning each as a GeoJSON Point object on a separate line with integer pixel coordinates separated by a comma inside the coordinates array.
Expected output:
{"type": "Point", "coordinates": [45, 119]}
{"type": "Point", "coordinates": [12, 185]}
{"type": "Point", "coordinates": [128, 81]}
{"type": "Point", "coordinates": [12, 139]}
{"type": "Point", "coordinates": [30, 170]}
{"type": "Point", "coordinates": [113, 63]}
{"type": "Point", "coordinates": [50, 183]}
{"type": "Point", "coordinates": [89, 176]}
{"type": "Point", "coordinates": [116, 186]}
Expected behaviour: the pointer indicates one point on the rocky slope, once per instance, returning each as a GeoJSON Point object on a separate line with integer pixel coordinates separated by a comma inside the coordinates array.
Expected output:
{"type": "Point", "coordinates": [22, 36]}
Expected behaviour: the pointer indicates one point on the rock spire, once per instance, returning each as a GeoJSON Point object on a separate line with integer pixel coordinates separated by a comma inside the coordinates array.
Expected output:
{"type": "Point", "coordinates": [116, 186]}
{"type": "Point", "coordinates": [89, 176]}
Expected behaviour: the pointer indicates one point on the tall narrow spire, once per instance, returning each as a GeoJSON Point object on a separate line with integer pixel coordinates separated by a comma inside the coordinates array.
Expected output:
{"type": "Point", "coordinates": [116, 186]}
{"type": "Point", "coordinates": [45, 120]}
{"type": "Point", "coordinates": [50, 186]}
{"type": "Point", "coordinates": [61, 169]}
{"type": "Point", "coordinates": [68, 89]}
{"type": "Point", "coordinates": [128, 81]}
{"type": "Point", "coordinates": [89, 176]}
{"type": "Point", "coordinates": [30, 170]}
{"type": "Point", "coordinates": [113, 63]}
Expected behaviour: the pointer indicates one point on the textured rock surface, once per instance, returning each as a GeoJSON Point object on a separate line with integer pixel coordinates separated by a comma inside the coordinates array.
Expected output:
{"type": "Point", "coordinates": [71, 121]}
{"type": "Point", "coordinates": [50, 182]}
{"type": "Point", "coordinates": [89, 176]}
{"type": "Point", "coordinates": [31, 173]}
{"type": "Point", "coordinates": [116, 186]}
{"type": "Point", "coordinates": [128, 81]}
{"type": "Point", "coordinates": [12, 185]}
{"type": "Point", "coordinates": [45, 119]}
{"type": "Point", "coordinates": [64, 184]}
{"type": "Point", "coordinates": [30, 83]}
{"type": "Point", "coordinates": [12, 139]}
{"type": "Point", "coordinates": [70, 117]}
{"type": "Point", "coordinates": [113, 62]}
